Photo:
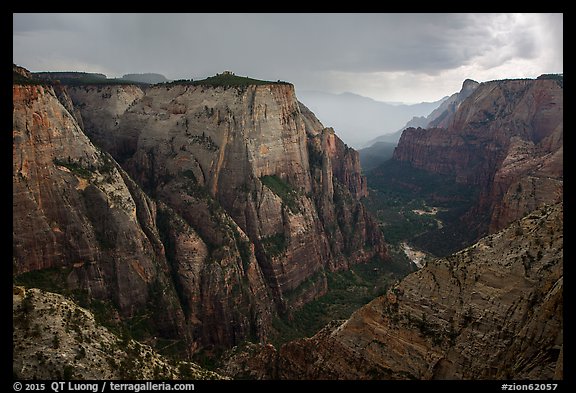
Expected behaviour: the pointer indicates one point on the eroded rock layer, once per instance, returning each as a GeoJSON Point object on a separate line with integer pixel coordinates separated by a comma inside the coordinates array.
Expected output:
{"type": "Point", "coordinates": [506, 138]}
{"type": "Point", "coordinates": [491, 311]}
{"type": "Point", "coordinates": [228, 207]}
{"type": "Point", "coordinates": [292, 187]}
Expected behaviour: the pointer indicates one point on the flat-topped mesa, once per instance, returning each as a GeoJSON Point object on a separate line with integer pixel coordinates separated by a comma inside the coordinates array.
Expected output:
{"type": "Point", "coordinates": [245, 145]}
{"type": "Point", "coordinates": [82, 224]}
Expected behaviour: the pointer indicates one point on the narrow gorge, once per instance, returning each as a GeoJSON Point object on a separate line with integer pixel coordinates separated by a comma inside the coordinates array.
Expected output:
{"type": "Point", "coordinates": [156, 224]}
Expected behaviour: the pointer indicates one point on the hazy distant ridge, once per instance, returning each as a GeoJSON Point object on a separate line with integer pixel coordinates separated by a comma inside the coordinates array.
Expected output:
{"type": "Point", "coordinates": [148, 77]}
{"type": "Point", "coordinates": [359, 119]}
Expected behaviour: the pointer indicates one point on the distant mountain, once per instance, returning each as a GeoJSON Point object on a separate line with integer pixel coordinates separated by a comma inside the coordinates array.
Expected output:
{"type": "Point", "coordinates": [149, 77]}
{"type": "Point", "coordinates": [359, 119]}
{"type": "Point", "coordinates": [380, 149]}
{"type": "Point", "coordinates": [447, 107]}
{"type": "Point", "coordinates": [69, 75]}
{"type": "Point", "coordinates": [371, 157]}
{"type": "Point", "coordinates": [75, 78]}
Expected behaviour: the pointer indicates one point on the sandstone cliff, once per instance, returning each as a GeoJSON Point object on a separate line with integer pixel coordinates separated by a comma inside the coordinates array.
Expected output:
{"type": "Point", "coordinates": [506, 139]}
{"type": "Point", "coordinates": [229, 207]}
{"type": "Point", "coordinates": [250, 151]}
{"type": "Point", "coordinates": [78, 215]}
{"type": "Point", "coordinates": [439, 116]}
{"type": "Point", "coordinates": [74, 214]}
{"type": "Point", "coordinates": [54, 338]}
{"type": "Point", "coordinates": [491, 311]}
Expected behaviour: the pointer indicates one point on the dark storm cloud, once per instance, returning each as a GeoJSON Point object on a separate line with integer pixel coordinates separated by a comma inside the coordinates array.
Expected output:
{"type": "Point", "coordinates": [294, 47]}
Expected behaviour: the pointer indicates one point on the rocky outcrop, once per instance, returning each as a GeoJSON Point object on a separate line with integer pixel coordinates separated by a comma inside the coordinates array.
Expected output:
{"type": "Point", "coordinates": [506, 139]}
{"type": "Point", "coordinates": [219, 285]}
{"type": "Point", "coordinates": [21, 71]}
{"type": "Point", "coordinates": [438, 117]}
{"type": "Point", "coordinates": [74, 212]}
{"type": "Point", "coordinates": [101, 107]}
{"type": "Point", "coordinates": [250, 151]}
{"type": "Point", "coordinates": [54, 338]}
{"type": "Point", "coordinates": [491, 311]}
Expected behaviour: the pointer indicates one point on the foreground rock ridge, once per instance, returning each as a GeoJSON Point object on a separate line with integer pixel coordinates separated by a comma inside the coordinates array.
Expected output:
{"type": "Point", "coordinates": [207, 209]}
{"type": "Point", "coordinates": [54, 338]}
{"type": "Point", "coordinates": [491, 311]}
{"type": "Point", "coordinates": [506, 139]}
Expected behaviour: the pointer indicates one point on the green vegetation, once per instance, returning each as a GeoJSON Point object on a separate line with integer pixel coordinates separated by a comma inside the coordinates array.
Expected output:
{"type": "Point", "coordinates": [140, 327]}
{"type": "Point", "coordinates": [231, 80]}
{"type": "Point", "coordinates": [84, 170]}
{"type": "Point", "coordinates": [75, 167]}
{"type": "Point", "coordinates": [274, 245]}
{"type": "Point", "coordinates": [54, 280]}
{"type": "Point", "coordinates": [398, 192]}
{"type": "Point", "coordinates": [51, 280]}
{"type": "Point", "coordinates": [205, 141]}
{"type": "Point", "coordinates": [226, 80]}
{"type": "Point", "coordinates": [19, 79]}
{"type": "Point", "coordinates": [347, 291]}
{"type": "Point", "coordinates": [244, 248]}
{"type": "Point", "coordinates": [559, 78]}
{"type": "Point", "coordinates": [283, 190]}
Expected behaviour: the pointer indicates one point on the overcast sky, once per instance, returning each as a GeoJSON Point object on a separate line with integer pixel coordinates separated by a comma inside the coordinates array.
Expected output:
{"type": "Point", "coordinates": [388, 57]}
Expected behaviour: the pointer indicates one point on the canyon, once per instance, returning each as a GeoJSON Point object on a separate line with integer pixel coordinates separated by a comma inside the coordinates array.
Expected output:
{"type": "Point", "coordinates": [491, 311]}
{"type": "Point", "coordinates": [493, 155]}
{"type": "Point", "coordinates": [505, 139]}
{"type": "Point", "coordinates": [195, 215]}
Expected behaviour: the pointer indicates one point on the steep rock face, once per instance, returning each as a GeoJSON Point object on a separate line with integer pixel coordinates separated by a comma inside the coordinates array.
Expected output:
{"type": "Point", "coordinates": [491, 311]}
{"type": "Point", "coordinates": [102, 118]}
{"type": "Point", "coordinates": [73, 210]}
{"type": "Point", "coordinates": [21, 71]}
{"type": "Point", "coordinates": [338, 186]}
{"type": "Point", "coordinates": [507, 139]}
{"type": "Point", "coordinates": [221, 288]}
{"type": "Point", "coordinates": [439, 117]}
{"type": "Point", "coordinates": [342, 161]}
{"type": "Point", "coordinates": [247, 150]}
{"type": "Point", "coordinates": [54, 338]}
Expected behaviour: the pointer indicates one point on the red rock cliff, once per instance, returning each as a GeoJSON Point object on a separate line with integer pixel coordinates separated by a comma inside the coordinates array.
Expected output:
{"type": "Point", "coordinates": [78, 214]}
{"type": "Point", "coordinates": [251, 151]}
{"type": "Point", "coordinates": [507, 139]}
